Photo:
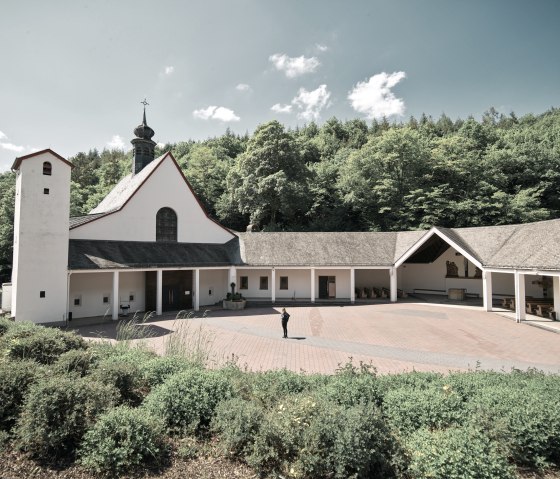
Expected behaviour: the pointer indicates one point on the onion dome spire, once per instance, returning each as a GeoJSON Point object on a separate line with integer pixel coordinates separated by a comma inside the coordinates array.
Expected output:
{"type": "Point", "coordinates": [143, 151]}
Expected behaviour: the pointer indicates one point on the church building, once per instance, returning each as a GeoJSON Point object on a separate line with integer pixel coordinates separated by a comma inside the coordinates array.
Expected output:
{"type": "Point", "coordinates": [151, 246]}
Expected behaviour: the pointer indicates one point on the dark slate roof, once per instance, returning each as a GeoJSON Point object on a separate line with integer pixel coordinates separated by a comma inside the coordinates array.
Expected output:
{"type": "Point", "coordinates": [98, 254]}
{"type": "Point", "coordinates": [405, 241]}
{"type": "Point", "coordinates": [317, 249]}
{"type": "Point", "coordinates": [82, 220]}
{"type": "Point", "coordinates": [125, 188]}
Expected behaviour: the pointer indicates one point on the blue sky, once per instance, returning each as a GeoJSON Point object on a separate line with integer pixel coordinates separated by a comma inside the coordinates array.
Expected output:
{"type": "Point", "coordinates": [73, 73]}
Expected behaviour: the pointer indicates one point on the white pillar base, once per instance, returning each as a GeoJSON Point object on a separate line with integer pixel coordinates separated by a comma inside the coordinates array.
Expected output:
{"type": "Point", "coordinates": [196, 289]}
{"type": "Point", "coordinates": [352, 285]}
{"type": "Point", "coordinates": [159, 287]}
{"type": "Point", "coordinates": [116, 299]}
{"type": "Point", "coordinates": [487, 290]}
{"type": "Point", "coordinates": [393, 277]}
{"type": "Point", "coordinates": [273, 286]}
{"type": "Point", "coordinates": [312, 285]}
{"type": "Point", "coordinates": [520, 313]}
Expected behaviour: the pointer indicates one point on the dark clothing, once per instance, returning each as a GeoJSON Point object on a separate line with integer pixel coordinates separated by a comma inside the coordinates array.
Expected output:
{"type": "Point", "coordinates": [284, 317]}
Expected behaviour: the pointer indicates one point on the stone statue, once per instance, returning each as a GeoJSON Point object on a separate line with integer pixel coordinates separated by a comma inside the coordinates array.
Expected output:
{"type": "Point", "coordinates": [452, 269]}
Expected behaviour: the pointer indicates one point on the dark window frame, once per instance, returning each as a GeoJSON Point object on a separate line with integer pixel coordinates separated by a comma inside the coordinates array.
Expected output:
{"type": "Point", "coordinates": [263, 281]}
{"type": "Point", "coordinates": [166, 225]}
{"type": "Point", "coordinates": [47, 168]}
{"type": "Point", "coordinates": [46, 191]}
{"type": "Point", "coordinates": [243, 282]}
{"type": "Point", "coordinates": [284, 282]}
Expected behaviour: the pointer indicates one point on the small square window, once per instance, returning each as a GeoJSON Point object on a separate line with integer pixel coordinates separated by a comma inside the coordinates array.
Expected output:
{"type": "Point", "coordinates": [78, 301]}
{"type": "Point", "coordinates": [131, 297]}
{"type": "Point", "coordinates": [264, 282]}
{"type": "Point", "coordinates": [105, 299]}
{"type": "Point", "coordinates": [244, 282]}
{"type": "Point", "coordinates": [283, 282]}
{"type": "Point", "coordinates": [41, 294]}
{"type": "Point", "coordinates": [46, 191]}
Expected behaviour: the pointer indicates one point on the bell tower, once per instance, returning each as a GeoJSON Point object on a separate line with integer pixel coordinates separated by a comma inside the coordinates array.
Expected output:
{"type": "Point", "coordinates": [143, 147]}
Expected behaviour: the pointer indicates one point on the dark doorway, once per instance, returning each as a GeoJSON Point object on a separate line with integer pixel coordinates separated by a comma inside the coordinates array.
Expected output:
{"type": "Point", "coordinates": [177, 290]}
{"type": "Point", "coordinates": [327, 287]}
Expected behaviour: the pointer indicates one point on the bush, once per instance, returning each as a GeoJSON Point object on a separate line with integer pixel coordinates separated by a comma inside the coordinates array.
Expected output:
{"type": "Point", "coordinates": [525, 420]}
{"type": "Point", "coordinates": [15, 379]}
{"type": "Point", "coordinates": [456, 453]}
{"type": "Point", "coordinates": [312, 437]}
{"type": "Point", "coordinates": [77, 361]}
{"type": "Point", "coordinates": [123, 352]}
{"type": "Point", "coordinates": [39, 343]}
{"type": "Point", "coordinates": [269, 386]}
{"type": "Point", "coordinates": [412, 380]}
{"type": "Point", "coordinates": [123, 439]}
{"type": "Point", "coordinates": [236, 423]}
{"type": "Point", "coordinates": [57, 412]}
{"type": "Point", "coordinates": [408, 410]}
{"type": "Point", "coordinates": [353, 385]}
{"type": "Point", "coordinates": [186, 401]}
{"type": "Point", "coordinates": [125, 376]}
{"type": "Point", "coordinates": [5, 325]}
{"type": "Point", "coordinates": [157, 370]}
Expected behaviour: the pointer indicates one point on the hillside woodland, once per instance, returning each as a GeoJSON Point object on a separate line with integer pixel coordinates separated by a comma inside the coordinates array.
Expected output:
{"type": "Point", "coordinates": [350, 175]}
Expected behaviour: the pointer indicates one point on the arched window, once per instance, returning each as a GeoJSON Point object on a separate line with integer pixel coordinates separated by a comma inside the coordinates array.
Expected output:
{"type": "Point", "coordinates": [166, 225]}
{"type": "Point", "coordinates": [47, 168]}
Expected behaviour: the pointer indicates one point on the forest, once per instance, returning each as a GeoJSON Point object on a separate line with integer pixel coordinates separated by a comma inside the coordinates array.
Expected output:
{"type": "Point", "coordinates": [350, 175]}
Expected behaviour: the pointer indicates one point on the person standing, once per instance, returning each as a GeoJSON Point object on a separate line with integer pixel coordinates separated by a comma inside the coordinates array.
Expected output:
{"type": "Point", "coordinates": [284, 317]}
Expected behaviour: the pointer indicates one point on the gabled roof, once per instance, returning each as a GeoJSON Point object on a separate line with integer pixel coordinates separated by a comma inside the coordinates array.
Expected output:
{"type": "Point", "coordinates": [18, 160]}
{"type": "Point", "coordinates": [100, 254]}
{"type": "Point", "coordinates": [82, 220]}
{"type": "Point", "coordinates": [317, 249]}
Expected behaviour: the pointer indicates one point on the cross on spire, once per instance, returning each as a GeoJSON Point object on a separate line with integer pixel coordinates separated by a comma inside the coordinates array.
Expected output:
{"type": "Point", "coordinates": [144, 103]}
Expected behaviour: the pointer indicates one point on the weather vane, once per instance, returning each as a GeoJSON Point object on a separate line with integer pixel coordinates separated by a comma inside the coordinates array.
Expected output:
{"type": "Point", "coordinates": [144, 103]}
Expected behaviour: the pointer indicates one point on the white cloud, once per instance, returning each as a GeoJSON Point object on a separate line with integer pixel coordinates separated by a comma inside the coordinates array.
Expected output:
{"type": "Point", "coordinates": [2, 135]}
{"type": "Point", "coordinates": [310, 103]}
{"type": "Point", "coordinates": [116, 143]}
{"type": "Point", "coordinates": [243, 87]}
{"type": "Point", "coordinates": [321, 48]}
{"type": "Point", "coordinates": [374, 97]}
{"type": "Point", "coordinates": [11, 146]}
{"type": "Point", "coordinates": [294, 66]}
{"type": "Point", "coordinates": [161, 145]}
{"type": "Point", "coordinates": [281, 108]}
{"type": "Point", "coordinates": [216, 113]}
{"type": "Point", "coordinates": [169, 70]}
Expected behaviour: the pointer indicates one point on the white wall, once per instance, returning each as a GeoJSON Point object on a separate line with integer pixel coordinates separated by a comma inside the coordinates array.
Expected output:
{"type": "Point", "coordinates": [91, 287]}
{"type": "Point", "coordinates": [41, 240]}
{"type": "Point", "coordinates": [137, 220]}
{"type": "Point", "coordinates": [6, 297]}
{"type": "Point", "coordinates": [217, 282]}
{"type": "Point", "coordinates": [254, 283]}
{"type": "Point", "coordinates": [299, 283]}
{"type": "Point", "coordinates": [342, 281]}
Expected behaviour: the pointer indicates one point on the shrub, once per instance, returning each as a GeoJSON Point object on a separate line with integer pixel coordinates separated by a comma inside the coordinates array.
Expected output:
{"type": "Point", "coordinates": [123, 439]}
{"type": "Point", "coordinates": [15, 379]}
{"type": "Point", "coordinates": [186, 401]}
{"type": "Point", "coordinates": [312, 437]}
{"type": "Point", "coordinates": [353, 385]}
{"type": "Point", "coordinates": [77, 361]}
{"type": "Point", "coordinates": [236, 423]}
{"type": "Point", "coordinates": [456, 453]}
{"type": "Point", "coordinates": [123, 352]}
{"type": "Point", "coordinates": [411, 380]}
{"type": "Point", "coordinates": [5, 325]}
{"type": "Point", "coordinates": [157, 370]}
{"type": "Point", "coordinates": [57, 412]}
{"type": "Point", "coordinates": [125, 376]}
{"type": "Point", "coordinates": [39, 343]}
{"type": "Point", "coordinates": [269, 386]}
{"type": "Point", "coordinates": [525, 420]}
{"type": "Point", "coordinates": [409, 410]}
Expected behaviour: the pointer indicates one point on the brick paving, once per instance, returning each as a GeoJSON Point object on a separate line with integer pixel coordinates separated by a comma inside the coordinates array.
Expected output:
{"type": "Point", "coordinates": [392, 337]}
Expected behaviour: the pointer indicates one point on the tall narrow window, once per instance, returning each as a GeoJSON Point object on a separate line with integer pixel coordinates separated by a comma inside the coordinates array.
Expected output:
{"type": "Point", "coordinates": [47, 168]}
{"type": "Point", "coordinates": [166, 225]}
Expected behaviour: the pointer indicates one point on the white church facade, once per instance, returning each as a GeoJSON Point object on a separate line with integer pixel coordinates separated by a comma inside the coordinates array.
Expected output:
{"type": "Point", "coordinates": [150, 246]}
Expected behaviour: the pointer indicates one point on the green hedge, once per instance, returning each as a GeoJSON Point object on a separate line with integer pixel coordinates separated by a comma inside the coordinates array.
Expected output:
{"type": "Point", "coordinates": [127, 377]}
{"type": "Point", "coordinates": [122, 440]}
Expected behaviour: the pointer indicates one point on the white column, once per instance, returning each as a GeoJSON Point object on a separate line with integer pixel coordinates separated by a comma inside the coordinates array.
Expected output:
{"type": "Point", "coordinates": [487, 290]}
{"type": "Point", "coordinates": [312, 285]}
{"type": "Point", "coordinates": [273, 286]}
{"type": "Point", "coordinates": [232, 278]}
{"type": "Point", "coordinates": [393, 275]}
{"type": "Point", "coordinates": [68, 296]}
{"type": "Point", "coordinates": [116, 299]}
{"type": "Point", "coordinates": [520, 313]}
{"type": "Point", "coordinates": [159, 286]}
{"type": "Point", "coordinates": [556, 293]}
{"type": "Point", "coordinates": [196, 289]}
{"type": "Point", "coordinates": [352, 285]}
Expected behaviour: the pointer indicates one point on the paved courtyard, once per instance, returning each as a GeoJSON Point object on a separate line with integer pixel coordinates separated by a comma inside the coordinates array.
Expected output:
{"type": "Point", "coordinates": [392, 337]}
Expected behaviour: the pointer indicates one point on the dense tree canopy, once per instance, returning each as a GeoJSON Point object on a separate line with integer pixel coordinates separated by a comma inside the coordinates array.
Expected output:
{"type": "Point", "coordinates": [351, 176]}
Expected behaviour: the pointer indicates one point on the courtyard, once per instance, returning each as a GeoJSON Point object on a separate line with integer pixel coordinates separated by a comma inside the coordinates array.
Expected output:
{"type": "Point", "coordinates": [392, 337]}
